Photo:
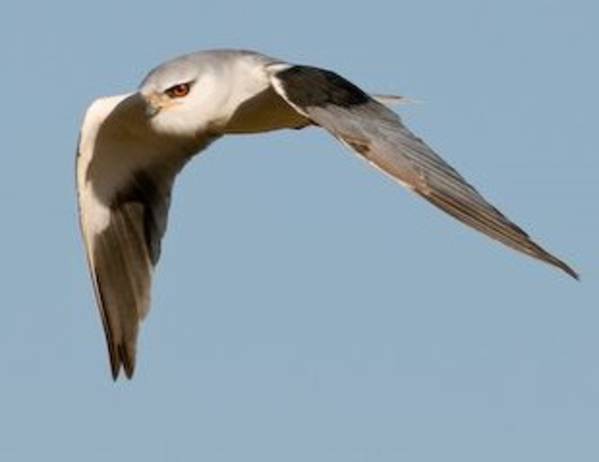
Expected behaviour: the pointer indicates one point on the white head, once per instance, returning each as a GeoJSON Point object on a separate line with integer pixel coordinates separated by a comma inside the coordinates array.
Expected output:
{"type": "Point", "coordinates": [187, 96]}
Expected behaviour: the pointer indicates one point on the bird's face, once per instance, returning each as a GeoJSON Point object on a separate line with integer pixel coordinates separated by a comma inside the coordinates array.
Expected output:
{"type": "Point", "coordinates": [184, 101]}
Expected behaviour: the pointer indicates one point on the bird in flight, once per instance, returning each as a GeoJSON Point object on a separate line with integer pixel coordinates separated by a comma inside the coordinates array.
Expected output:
{"type": "Point", "coordinates": [132, 146]}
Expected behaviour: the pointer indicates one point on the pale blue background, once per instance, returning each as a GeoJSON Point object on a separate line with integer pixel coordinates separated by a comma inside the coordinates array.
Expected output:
{"type": "Point", "coordinates": [306, 308]}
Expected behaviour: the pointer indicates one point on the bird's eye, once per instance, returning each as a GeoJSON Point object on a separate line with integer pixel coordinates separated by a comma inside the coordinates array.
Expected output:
{"type": "Point", "coordinates": [178, 91]}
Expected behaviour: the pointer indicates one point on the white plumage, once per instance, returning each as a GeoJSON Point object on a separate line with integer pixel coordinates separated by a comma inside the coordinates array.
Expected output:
{"type": "Point", "coordinates": [132, 147]}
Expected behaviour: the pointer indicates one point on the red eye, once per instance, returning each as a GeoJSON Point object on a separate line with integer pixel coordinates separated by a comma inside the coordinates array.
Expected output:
{"type": "Point", "coordinates": [178, 91]}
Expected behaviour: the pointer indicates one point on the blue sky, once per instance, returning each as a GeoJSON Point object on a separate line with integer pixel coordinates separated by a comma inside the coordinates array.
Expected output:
{"type": "Point", "coordinates": [306, 307]}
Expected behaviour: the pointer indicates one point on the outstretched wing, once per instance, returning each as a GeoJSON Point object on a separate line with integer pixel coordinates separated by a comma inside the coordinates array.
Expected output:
{"type": "Point", "coordinates": [379, 135]}
{"type": "Point", "coordinates": [124, 179]}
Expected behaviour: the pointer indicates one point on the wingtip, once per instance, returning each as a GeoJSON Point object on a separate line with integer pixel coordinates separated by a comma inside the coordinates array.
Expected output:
{"type": "Point", "coordinates": [568, 270]}
{"type": "Point", "coordinates": [552, 260]}
{"type": "Point", "coordinates": [127, 358]}
{"type": "Point", "coordinates": [124, 359]}
{"type": "Point", "coordinates": [115, 368]}
{"type": "Point", "coordinates": [128, 373]}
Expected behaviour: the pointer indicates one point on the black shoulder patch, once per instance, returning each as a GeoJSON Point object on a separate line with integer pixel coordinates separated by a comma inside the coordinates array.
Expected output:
{"type": "Point", "coordinates": [310, 86]}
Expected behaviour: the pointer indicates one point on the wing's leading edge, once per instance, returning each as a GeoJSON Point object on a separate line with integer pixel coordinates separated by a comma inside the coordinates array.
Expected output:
{"type": "Point", "coordinates": [124, 184]}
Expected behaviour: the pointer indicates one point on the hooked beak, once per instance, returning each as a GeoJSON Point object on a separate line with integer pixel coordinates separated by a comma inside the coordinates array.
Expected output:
{"type": "Point", "coordinates": [153, 104]}
{"type": "Point", "coordinates": [156, 102]}
{"type": "Point", "coordinates": [151, 110]}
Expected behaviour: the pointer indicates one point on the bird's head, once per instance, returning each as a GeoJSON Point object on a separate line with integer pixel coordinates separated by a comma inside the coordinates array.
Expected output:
{"type": "Point", "coordinates": [186, 97]}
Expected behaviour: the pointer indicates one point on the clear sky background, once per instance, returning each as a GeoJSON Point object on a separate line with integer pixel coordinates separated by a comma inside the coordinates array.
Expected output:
{"type": "Point", "coordinates": [306, 308]}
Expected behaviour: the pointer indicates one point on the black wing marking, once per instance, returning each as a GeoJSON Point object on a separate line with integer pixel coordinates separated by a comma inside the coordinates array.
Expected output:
{"type": "Point", "coordinates": [379, 135]}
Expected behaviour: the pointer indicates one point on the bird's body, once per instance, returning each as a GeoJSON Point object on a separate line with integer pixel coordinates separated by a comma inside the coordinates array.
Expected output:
{"type": "Point", "coordinates": [132, 147]}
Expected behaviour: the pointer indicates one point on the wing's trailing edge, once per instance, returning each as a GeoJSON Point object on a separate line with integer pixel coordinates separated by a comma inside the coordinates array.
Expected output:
{"type": "Point", "coordinates": [378, 134]}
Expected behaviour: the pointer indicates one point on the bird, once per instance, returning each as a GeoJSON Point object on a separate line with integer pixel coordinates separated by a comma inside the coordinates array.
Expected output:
{"type": "Point", "coordinates": [132, 146]}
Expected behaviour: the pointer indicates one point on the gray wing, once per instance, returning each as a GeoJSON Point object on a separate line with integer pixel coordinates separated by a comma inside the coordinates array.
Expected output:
{"type": "Point", "coordinates": [379, 135]}
{"type": "Point", "coordinates": [124, 184]}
